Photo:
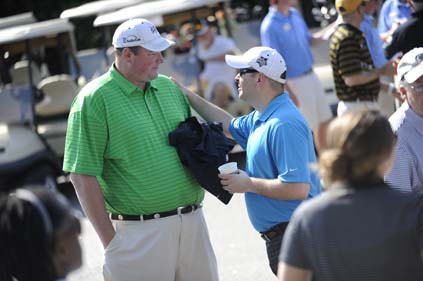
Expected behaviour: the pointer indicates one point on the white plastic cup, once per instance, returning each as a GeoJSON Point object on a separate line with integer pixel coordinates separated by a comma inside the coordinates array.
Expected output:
{"type": "Point", "coordinates": [229, 168]}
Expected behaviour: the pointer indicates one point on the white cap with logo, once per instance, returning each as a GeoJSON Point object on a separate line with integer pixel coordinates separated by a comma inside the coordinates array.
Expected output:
{"type": "Point", "coordinates": [140, 32]}
{"type": "Point", "coordinates": [263, 59]}
{"type": "Point", "coordinates": [410, 67]}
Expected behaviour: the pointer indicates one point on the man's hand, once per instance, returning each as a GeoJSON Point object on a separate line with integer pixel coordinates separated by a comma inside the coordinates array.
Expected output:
{"type": "Point", "coordinates": [237, 183]}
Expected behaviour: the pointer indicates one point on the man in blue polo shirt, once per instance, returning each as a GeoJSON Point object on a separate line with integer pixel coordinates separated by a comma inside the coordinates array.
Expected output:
{"type": "Point", "coordinates": [278, 143]}
{"type": "Point", "coordinates": [392, 14]}
{"type": "Point", "coordinates": [386, 98]}
{"type": "Point", "coordinates": [284, 30]}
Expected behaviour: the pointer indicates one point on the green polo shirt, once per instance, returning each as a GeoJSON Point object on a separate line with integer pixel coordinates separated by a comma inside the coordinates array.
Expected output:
{"type": "Point", "coordinates": [119, 133]}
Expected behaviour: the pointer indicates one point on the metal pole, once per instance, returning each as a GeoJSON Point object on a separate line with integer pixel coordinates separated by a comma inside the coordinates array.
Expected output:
{"type": "Point", "coordinates": [31, 86]}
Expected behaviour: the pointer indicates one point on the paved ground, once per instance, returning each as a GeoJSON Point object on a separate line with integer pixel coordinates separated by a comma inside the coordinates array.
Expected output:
{"type": "Point", "coordinates": [240, 251]}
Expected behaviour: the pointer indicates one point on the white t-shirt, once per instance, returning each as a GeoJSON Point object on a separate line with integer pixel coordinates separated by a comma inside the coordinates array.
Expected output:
{"type": "Point", "coordinates": [218, 71]}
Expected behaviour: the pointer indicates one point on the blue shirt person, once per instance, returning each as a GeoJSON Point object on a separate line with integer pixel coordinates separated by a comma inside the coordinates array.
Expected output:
{"type": "Point", "coordinates": [374, 42]}
{"type": "Point", "coordinates": [278, 143]}
{"type": "Point", "coordinates": [392, 14]}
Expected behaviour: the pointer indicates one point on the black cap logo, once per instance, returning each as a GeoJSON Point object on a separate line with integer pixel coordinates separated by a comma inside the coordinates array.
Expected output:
{"type": "Point", "coordinates": [262, 61]}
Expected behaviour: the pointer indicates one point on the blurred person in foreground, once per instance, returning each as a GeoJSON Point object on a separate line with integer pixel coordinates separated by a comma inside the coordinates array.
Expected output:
{"type": "Point", "coordinates": [285, 30]}
{"type": "Point", "coordinates": [355, 76]}
{"type": "Point", "coordinates": [278, 144]}
{"type": "Point", "coordinates": [360, 228]}
{"type": "Point", "coordinates": [144, 205]}
{"type": "Point", "coordinates": [407, 123]}
{"type": "Point", "coordinates": [409, 35]}
{"type": "Point", "coordinates": [39, 236]}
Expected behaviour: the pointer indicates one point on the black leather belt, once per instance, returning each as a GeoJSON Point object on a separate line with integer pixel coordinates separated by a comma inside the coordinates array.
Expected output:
{"type": "Point", "coordinates": [274, 231]}
{"type": "Point", "coordinates": [177, 211]}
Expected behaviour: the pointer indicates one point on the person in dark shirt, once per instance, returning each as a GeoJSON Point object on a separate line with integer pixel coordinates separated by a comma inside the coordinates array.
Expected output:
{"type": "Point", "coordinates": [360, 229]}
{"type": "Point", "coordinates": [409, 35]}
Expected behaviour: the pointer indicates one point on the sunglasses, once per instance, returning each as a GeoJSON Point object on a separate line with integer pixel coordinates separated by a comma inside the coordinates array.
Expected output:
{"type": "Point", "coordinates": [242, 71]}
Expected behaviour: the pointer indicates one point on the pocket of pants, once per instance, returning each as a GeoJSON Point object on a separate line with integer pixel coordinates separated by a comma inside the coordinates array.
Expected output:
{"type": "Point", "coordinates": [113, 243]}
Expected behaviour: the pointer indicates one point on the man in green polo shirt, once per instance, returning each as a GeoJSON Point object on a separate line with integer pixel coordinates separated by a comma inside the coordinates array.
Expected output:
{"type": "Point", "coordinates": [144, 205]}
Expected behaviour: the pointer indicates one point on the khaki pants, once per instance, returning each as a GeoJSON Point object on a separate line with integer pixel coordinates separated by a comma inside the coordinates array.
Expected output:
{"type": "Point", "coordinates": [175, 248]}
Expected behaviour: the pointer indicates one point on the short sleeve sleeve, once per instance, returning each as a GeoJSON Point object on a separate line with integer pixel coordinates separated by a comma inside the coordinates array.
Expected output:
{"type": "Point", "coordinates": [349, 61]}
{"type": "Point", "coordinates": [86, 139]}
{"type": "Point", "coordinates": [240, 128]}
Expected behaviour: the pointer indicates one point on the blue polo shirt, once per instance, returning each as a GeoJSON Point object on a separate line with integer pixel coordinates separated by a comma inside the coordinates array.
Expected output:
{"type": "Point", "coordinates": [374, 43]}
{"type": "Point", "coordinates": [288, 35]}
{"type": "Point", "coordinates": [393, 11]}
{"type": "Point", "coordinates": [279, 145]}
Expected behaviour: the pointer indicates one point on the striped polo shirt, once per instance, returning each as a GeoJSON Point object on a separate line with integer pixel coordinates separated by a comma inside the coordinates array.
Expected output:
{"type": "Point", "coordinates": [407, 171]}
{"type": "Point", "coordinates": [349, 55]}
{"type": "Point", "coordinates": [119, 133]}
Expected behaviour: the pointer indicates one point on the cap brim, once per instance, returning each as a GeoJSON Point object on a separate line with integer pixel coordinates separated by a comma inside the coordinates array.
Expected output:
{"type": "Point", "coordinates": [414, 74]}
{"type": "Point", "coordinates": [237, 62]}
{"type": "Point", "coordinates": [159, 44]}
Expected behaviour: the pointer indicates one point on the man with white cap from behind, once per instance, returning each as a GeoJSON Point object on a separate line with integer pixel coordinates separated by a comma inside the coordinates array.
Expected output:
{"type": "Point", "coordinates": [144, 205]}
{"type": "Point", "coordinates": [277, 140]}
{"type": "Point", "coordinates": [407, 122]}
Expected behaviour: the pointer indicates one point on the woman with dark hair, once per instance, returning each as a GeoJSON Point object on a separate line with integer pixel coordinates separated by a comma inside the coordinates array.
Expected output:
{"type": "Point", "coordinates": [38, 236]}
{"type": "Point", "coordinates": [359, 229]}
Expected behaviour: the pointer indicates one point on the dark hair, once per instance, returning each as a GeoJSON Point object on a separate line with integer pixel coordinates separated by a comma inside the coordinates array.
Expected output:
{"type": "Point", "coordinates": [134, 50]}
{"type": "Point", "coordinates": [358, 142]}
{"type": "Point", "coordinates": [30, 221]}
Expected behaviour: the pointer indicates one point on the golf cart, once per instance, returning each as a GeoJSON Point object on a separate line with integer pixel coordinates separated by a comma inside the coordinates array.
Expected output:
{"type": "Point", "coordinates": [38, 86]}
{"type": "Point", "coordinates": [94, 61]}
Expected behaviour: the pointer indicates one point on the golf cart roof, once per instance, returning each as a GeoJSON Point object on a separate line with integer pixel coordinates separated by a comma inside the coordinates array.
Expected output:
{"type": "Point", "coordinates": [34, 30]}
{"type": "Point", "coordinates": [156, 11]}
{"type": "Point", "coordinates": [97, 8]}
{"type": "Point", "coordinates": [19, 19]}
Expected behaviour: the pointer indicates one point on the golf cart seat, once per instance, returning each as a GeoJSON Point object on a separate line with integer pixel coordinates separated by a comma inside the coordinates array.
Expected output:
{"type": "Point", "coordinates": [59, 92]}
{"type": "Point", "coordinates": [19, 73]}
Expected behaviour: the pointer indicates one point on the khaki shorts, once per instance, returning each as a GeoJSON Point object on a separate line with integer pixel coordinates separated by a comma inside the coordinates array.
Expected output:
{"type": "Point", "coordinates": [311, 98]}
{"type": "Point", "coordinates": [175, 248]}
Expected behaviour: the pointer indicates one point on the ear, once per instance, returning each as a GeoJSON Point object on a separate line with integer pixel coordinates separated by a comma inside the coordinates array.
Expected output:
{"type": "Point", "coordinates": [127, 54]}
{"type": "Point", "coordinates": [403, 92]}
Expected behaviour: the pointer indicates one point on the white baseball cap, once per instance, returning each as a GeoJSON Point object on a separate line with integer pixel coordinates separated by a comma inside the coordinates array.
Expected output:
{"type": "Point", "coordinates": [140, 32]}
{"type": "Point", "coordinates": [263, 59]}
{"type": "Point", "coordinates": [410, 67]}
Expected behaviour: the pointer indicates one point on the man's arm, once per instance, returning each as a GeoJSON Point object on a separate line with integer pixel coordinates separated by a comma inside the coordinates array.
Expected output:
{"type": "Point", "coordinates": [92, 202]}
{"type": "Point", "coordinates": [367, 76]}
{"type": "Point", "coordinates": [272, 188]}
{"type": "Point", "coordinates": [288, 272]}
{"type": "Point", "coordinates": [206, 109]}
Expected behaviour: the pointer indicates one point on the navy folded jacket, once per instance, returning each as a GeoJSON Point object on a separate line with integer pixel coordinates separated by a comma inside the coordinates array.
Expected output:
{"type": "Point", "coordinates": [203, 148]}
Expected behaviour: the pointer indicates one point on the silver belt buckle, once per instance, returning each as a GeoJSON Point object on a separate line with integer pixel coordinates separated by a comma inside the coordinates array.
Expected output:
{"type": "Point", "coordinates": [179, 211]}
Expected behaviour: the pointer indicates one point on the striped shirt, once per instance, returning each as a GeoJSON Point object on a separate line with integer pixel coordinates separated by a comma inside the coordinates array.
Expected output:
{"type": "Point", "coordinates": [407, 171]}
{"type": "Point", "coordinates": [119, 133]}
{"type": "Point", "coordinates": [349, 55]}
